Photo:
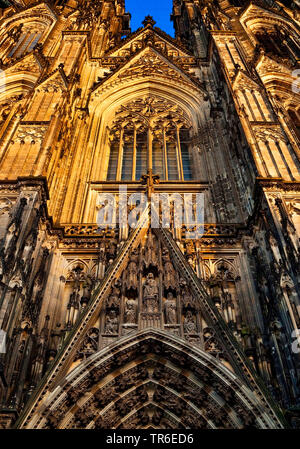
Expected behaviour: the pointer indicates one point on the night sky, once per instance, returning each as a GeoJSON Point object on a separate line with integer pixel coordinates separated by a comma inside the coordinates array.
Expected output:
{"type": "Point", "coordinates": [160, 10]}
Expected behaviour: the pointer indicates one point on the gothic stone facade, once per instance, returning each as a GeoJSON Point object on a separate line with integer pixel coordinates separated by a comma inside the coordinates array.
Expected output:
{"type": "Point", "coordinates": [145, 327]}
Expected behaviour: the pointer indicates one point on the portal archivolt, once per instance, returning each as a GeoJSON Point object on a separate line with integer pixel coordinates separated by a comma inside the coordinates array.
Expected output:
{"type": "Point", "coordinates": [151, 380]}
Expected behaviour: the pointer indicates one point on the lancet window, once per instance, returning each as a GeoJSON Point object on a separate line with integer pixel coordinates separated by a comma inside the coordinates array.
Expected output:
{"type": "Point", "coordinates": [279, 42]}
{"type": "Point", "coordinates": [295, 118]}
{"type": "Point", "coordinates": [150, 133]}
{"type": "Point", "coordinates": [23, 38]}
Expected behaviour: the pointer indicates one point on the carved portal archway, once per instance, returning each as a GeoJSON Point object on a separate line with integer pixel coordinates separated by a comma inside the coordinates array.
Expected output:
{"type": "Point", "coordinates": [152, 380]}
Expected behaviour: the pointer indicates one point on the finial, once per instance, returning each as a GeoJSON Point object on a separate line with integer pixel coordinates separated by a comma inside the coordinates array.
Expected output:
{"type": "Point", "coordinates": [148, 21]}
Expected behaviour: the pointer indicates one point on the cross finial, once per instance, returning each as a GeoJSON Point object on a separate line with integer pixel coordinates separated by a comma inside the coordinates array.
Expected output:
{"type": "Point", "coordinates": [149, 179]}
{"type": "Point", "coordinates": [148, 21]}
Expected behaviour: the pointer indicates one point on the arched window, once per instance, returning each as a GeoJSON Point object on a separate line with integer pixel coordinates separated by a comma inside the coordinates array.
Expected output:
{"type": "Point", "coordinates": [150, 136]}
{"type": "Point", "coordinates": [185, 156]}
{"type": "Point", "coordinates": [113, 161]}
{"type": "Point", "coordinates": [25, 44]}
{"type": "Point", "coordinates": [141, 154]}
{"type": "Point", "coordinates": [279, 41]}
{"type": "Point", "coordinates": [295, 119]}
{"type": "Point", "coordinates": [23, 38]}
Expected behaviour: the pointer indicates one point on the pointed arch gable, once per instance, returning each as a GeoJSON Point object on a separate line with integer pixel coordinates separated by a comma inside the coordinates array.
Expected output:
{"type": "Point", "coordinates": [33, 25]}
{"type": "Point", "coordinates": [41, 10]}
{"type": "Point", "coordinates": [136, 40]}
{"type": "Point", "coordinates": [119, 90]}
{"type": "Point", "coordinates": [148, 69]}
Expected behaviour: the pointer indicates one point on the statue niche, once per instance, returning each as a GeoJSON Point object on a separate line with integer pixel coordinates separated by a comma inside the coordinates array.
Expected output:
{"type": "Point", "coordinates": [169, 272]}
{"type": "Point", "coordinates": [170, 309]}
{"type": "Point", "coordinates": [130, 311]}
{"type": "Point", "coordinates": [131, 279]}
{"type": "Point", "coordinates": [189, 323]}
{"type": "Point", "coordinates": [111, 324]}
{"type": "Point", "coordinates": [150, 294]}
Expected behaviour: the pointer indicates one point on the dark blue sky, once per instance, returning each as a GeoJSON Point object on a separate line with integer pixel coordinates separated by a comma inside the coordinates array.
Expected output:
{"type": "Point", "coordinates": [160, 10]}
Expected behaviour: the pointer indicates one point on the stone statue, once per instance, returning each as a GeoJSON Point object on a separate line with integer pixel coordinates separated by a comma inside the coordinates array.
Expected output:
{"type": "Point", "coordinates": [170, 309]}
{"type": "Point", "coordinates": [111, 250]}
{"type": "Point", "coordinates": [187, 298]}
{"type": "Point", "coordinates": [130, 311]}
{"type": "Point", "coordinates": [169, 272]}
{"type": "Point", "coordinates": [37, 289]}
{"type": "Point", "coordinates": [189, 323]}
{"type": "Point", "coordinates": [28, 247]}
{"type": "Point", "coordinates": [12, 231]}
{"type": "Point", "coordinates": [150, 294]}
{"type": "Point", "coordinates": [111, 323]}
{"type": "Point", "coordinates": [87, 290]}
{"type": "Point", "coordinates": [113, 300]}
{"type": "Point", "coordinates": [150, 286]}
{"type": "Point", "coordinates": [132, 271]}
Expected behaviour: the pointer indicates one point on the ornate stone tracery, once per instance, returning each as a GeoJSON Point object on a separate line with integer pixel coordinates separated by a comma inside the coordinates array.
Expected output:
{"type": "Point", "coordinates": [166, 388]}
{"type": "Point", "coordinates": [150, 125]}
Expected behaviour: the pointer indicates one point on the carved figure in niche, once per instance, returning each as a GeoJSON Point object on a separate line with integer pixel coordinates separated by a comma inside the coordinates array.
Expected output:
{"type": "Point", "coordinates": [150, 286]}
{"type": "Point", "coordinates": [189, 248]}
{"type": "Point", "coordinates": [28, 247]}
{"type": "Point", "coordinates": [169, 272]}
{"type": "Point", "coordinates": [114, 298]}
{"type": "Point", "coordinates": [111, 250]}
{"type": "Point", "coordinates": [11, 233]}
{"type": "Point", "coordinates": [150, 294]}
{"type": "Point", "coordinates": [37, 288]}
{"type": "Point", "coordinates": [111, 322]}
{"type": "Point", "coordinates": [211, 345]}
{"type": "Point", "coordinates": [170, 309]}
{"type": "Point", "coordinates": [132, 271]}
{"type": "Point", "coordinates": [130, 311]}
{"type": "Point", "coordinates": [186, 297]}
{"type": "Point", "coordinates": [87, 290]}
{"type": "Point", "coordinates": [189, 325]}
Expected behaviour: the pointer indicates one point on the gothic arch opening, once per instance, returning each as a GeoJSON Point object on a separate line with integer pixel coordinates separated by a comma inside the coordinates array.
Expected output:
{"type": "Point", "coordinates": [150, 132]}
{"type": "Point", "coordinates": [276, 36]}
{"type": "Point", "coordinates": [175, 116]}
{"type": "Point", "coordinates": [22, 34]}
{"type": "Point", "coordinates": [151, 380]}
{"type": "Point", "coordinates": [294, 116]}
{"type": "Point", "coordinates": [288, 99]}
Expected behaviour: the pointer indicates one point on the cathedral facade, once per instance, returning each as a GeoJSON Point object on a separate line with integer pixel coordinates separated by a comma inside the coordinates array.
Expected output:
{"type": "Point", "coordinates": [136, 327]}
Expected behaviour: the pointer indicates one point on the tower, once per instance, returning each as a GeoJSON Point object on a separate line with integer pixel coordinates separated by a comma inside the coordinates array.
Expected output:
{"type": "Point", "coordinates": [143, 326]}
